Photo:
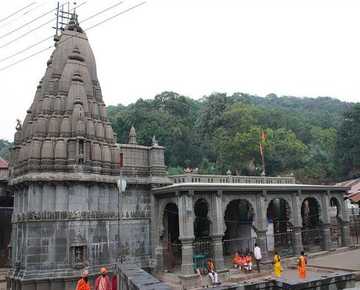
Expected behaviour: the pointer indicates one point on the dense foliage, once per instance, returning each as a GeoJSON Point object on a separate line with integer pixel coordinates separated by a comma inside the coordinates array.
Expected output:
{"type": "Point", "coordinates": [4, 149]}
{"type": "Point", "coordinates": [220, 133]}
{"type": "Point", "coordinates": [317, 139]}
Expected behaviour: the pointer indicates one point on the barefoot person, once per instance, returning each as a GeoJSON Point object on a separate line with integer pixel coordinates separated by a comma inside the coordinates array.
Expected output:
{"type": "Point", "coordinates": [302, 261]}
{"type": "Point", "coordinates": [277, 265]}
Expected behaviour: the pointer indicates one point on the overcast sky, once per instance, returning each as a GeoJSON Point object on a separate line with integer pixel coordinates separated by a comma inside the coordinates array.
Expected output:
{"type": "Point", "coordinates": [194, 47]}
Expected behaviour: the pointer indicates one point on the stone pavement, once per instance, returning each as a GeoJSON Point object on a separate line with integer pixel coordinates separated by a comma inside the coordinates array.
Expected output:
{"type": "Point", "coordinates": [347, 261]}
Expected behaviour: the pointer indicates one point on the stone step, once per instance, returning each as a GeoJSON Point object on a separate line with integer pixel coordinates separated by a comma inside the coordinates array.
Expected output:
{"type": "Point", "coordinates": [169, 278]}
{"type": "Point", "coordinates": [239, 277]}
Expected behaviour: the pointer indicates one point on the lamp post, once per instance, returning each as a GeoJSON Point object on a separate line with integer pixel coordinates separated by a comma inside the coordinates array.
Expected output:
{"type": "Point", "coordinates": [121, 184]}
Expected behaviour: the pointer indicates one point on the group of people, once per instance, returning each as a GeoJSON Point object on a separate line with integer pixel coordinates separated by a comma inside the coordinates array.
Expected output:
{"type": "Point", "coordinates": [102, 282]}
{"type": "Point", "coordinates": [301, 265]}
{"type": "Point", "coordinates": [243, 261]}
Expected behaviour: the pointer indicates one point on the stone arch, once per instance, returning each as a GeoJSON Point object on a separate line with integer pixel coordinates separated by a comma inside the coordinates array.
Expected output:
{"type": "Point", "coordinates": [239, 219]}
{"type": "Point", "coordinates": [279, 229]}
{"type": "Point", "coordinates": [163, 203]}
{"type": "Point", "coordinates": [335, 202]}
{"type": "Point", "coordinates": [311, 222]}
{"type": "Point", "coordinates": [170, 222]}
{"type": "Point", "coordinates": [202, 222]}
{"type": "Point", "coordinates": [228, 200]}
{"type": "Point", "coordinates": [318, 201]}
{"type": "Point", "coordinates": [169, 234]}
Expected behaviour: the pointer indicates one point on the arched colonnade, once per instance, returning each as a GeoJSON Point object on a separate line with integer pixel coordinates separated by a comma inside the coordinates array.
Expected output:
{"type": "Point", "coordinates": [216, 223]}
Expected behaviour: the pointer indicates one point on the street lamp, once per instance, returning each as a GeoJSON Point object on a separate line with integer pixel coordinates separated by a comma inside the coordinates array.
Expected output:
{"type": "Point", "coordinates": [121, 184]}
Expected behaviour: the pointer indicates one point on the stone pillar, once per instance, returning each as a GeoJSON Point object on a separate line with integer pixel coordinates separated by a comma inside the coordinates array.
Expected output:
{"type": "Point", "coordinates": [186, 229]}
{"type": "Point", "coordinates": [345, 226]}
{"type": "Point", "coordinates": [345, 234]}
{"type": "Point", "coordinates": [297, 223]}
{"type": "Point", "coordinates": [325, 227]}
{"type": "Point", "coordinates": [159, 256]}
{"type": "Point", "coordinates": [218, 251]}
{"type": "Point", "coordinates": [262, 243]}
{"type": "Point", "coordinates": [261, 223]}
{"type": "Point", "coordinates": [217, 231]}
{"type": "Point", "coordinates": [325, 236]}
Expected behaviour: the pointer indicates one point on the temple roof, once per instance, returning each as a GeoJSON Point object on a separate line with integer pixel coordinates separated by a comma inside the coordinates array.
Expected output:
{"type": "Point", "coordinates": [66, 127]}
{"type": "Point", "coordinates": [3, 164]}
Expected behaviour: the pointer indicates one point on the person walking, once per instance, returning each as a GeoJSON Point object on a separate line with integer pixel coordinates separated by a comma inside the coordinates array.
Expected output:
{"type": "Point", "coordinates": [83, 283]}
{"type": "Point", "coordinates": [277, 265]}
{"type": "Point", "coordinates": [103, 281]}
{"type": "Point", "coordinates": [302, 262]}
{"type": "Point", "coordinates": [257, 256]}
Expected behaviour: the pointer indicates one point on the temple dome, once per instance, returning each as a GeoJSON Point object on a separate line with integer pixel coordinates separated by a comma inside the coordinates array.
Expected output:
{"type": "Point", "coordinates": [67, 121]}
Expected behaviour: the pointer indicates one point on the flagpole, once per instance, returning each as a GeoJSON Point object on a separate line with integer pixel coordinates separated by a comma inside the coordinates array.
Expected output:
{"type": "Point", "coordinates": [262, 139]}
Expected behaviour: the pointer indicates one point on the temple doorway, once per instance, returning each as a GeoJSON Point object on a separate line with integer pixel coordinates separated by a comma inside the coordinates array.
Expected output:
{"type": "Point", "coordinates": [311, 224]}
{"type": "Point", "coordinates": [279, 232]}
{"type": "Point", "coordinates": [239, 233]}
{"type": "Point", "coordinates": [170, 238]}
{"type": "Point", "coordinates": [202, 244]}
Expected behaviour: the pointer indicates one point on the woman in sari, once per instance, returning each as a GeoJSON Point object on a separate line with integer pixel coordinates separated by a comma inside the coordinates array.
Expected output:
{"type": "Point", "coordinates": [277, 265]}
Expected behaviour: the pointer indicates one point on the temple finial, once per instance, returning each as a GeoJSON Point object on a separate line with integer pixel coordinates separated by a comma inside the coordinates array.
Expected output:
{"type": "Point", "coordinates": [132, 136]}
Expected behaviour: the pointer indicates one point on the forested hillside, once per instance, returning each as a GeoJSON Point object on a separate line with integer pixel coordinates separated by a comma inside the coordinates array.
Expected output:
{"type": "Point", "coordinates": [316, 139]}
{"type": "Point", "coordinates": [221, 132]}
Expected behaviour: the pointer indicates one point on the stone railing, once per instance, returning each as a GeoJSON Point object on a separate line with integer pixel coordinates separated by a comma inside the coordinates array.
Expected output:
{"type": "Point", "coordinates": [131, 277]}
{"type": "Point", "coordinates": [200, 178]}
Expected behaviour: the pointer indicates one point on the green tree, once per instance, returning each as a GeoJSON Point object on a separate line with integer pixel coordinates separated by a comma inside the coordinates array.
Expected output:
{"type": "Point", "coordinates": [347, 145]}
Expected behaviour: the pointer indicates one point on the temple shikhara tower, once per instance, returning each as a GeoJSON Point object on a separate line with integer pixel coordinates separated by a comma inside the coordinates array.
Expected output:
{"type": "Point", "coordinates": [64, 172]}
{"type": "Point", "coordinates": [64, 168]}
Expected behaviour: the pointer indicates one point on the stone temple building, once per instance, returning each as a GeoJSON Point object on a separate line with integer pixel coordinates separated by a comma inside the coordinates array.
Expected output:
{"type": "Point", "coordinates": [65, 167]}
{"type": "Point", "coordinates": [70, 211]}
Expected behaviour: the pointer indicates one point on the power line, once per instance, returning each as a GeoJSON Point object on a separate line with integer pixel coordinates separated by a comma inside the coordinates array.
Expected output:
{"type": "Point", "coordinates": [118, 14]}
{"type": "Point", "coordinates": [41, 41]}
{"type": "Point", "coordinates": [16, 12]}
{"type": "Point", "coordinates": [25, 58]}
{"type": "Point", "coordinates": [60, 42]}
{"type": "Point", "coordinates": [102, 11]}
{"type": "Point", "coordinates": [25, 49]}
{"type": "Point", "coordinates": [25, 34]}
{"type": "Point", "coordinates": [32, 45]}
{"type": "Point", "coordinates": [26, 24]}
{"type": "Point", "coordinates": [21, 16]}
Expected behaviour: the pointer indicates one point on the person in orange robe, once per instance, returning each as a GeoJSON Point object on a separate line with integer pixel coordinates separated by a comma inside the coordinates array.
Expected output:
{"type": "Point", "coordinates": [248, 259]}
{"type": "Point", "coordinates": [302, 261]}
{"type": "Point", "coordinates": [83, 283]}
{"type": "Point", "coordinates": [237, 260]}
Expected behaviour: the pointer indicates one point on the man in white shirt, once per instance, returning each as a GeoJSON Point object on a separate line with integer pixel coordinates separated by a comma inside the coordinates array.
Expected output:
{"type": "Point", "coordinates": [257, 256]}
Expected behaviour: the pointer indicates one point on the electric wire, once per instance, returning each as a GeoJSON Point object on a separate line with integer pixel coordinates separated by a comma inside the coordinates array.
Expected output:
{"type": "Point", "coordinates": [16, 12]}
{"type": "Point", "coordinates": [50, 37]}
{"type": "Point", "coordinates": [26, 33]}
{"type": "Point", "coordinates": [32, 45]}
{"type": "Point", "coordinates": [26, 24]}
{"type": "Point", "coordinates": [60, 42]}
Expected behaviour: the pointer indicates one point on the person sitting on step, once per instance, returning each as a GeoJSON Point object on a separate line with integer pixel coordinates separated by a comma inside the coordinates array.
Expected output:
{"type": "Point", "coordinates": [212, 274]}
